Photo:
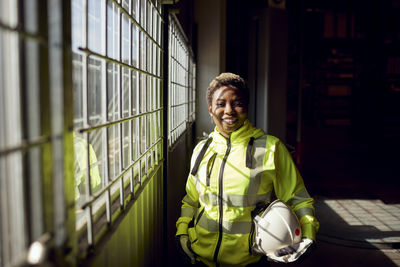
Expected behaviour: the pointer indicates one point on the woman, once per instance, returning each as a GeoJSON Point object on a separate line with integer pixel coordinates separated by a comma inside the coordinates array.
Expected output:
{"type": "Point", "coordinates": [235, 169]}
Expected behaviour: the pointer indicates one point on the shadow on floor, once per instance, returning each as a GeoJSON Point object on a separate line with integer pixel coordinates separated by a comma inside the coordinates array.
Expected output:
{"type": "Point", "coordinates": [340, 244]}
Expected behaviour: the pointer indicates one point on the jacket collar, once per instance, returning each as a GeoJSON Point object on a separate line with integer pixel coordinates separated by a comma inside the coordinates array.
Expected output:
{"type": "Point", "coordinates": [241, 135]}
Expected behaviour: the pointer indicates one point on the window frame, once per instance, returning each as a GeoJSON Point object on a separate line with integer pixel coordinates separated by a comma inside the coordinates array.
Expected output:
{"type": "Point", "coordinates": [117, 190]}
{"type": "Point", "coordinates": [181, 82]}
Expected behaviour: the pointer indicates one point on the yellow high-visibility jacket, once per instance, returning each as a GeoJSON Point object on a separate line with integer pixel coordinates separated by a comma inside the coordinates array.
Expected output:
{"type": "Point", "coordinates": [81, 165]}
{"type": "Point", "coordinates": [226, 182]}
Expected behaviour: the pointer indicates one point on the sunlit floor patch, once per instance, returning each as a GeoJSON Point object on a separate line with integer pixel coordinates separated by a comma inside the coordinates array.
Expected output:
{"type": "Point", "coordinates": [361, 223]}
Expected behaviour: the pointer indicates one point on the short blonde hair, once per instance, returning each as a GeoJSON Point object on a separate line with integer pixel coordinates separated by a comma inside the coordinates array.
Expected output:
{"type": "Point", "coordinates": [227, 79]}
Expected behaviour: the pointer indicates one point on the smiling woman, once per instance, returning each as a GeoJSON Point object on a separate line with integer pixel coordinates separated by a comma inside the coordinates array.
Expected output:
{"type": "Point", "coordinates": [228, 109]}
{"type": "Point", "coordinates": [227, 99]}
{"type": "Point", "coordinates": [238, 168]}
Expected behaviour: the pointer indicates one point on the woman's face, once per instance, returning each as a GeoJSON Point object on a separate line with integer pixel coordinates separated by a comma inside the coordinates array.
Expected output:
{"type": "Point", "coordinates": [228, 109]}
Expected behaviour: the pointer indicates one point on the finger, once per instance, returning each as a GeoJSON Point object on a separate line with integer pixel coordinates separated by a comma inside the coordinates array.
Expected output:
{"type": "Point", "coordinates": [285, 251]}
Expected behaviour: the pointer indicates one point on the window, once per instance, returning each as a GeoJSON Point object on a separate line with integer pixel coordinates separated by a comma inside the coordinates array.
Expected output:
{"type": "Point", "coordinates": [57, 183]}
{"type": "Point", "coordinates": [118, 109]}
{"type": "Point", "coordinates": [182, 71]}
{"type": "Point", "coordinates": [34, 112]}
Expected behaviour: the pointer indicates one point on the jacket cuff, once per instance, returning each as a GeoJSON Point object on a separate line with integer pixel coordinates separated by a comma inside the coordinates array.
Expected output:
{"type": "Point", "coordinates": [182, 229]}
{"type": "Point", "coordinates": [309, 231]}
{"type": "Point", "coordinates": [309, 226]}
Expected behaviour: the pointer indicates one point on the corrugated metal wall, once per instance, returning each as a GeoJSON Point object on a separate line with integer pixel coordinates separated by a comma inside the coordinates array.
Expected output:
{"type": "Point", "coordinates": [137, 239]}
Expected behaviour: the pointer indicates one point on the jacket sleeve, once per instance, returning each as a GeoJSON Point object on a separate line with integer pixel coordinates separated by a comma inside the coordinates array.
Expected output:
{"type": "Point", "coordinates": [190, 202]}
{"type": "Point", "coordinates": [289, 187]}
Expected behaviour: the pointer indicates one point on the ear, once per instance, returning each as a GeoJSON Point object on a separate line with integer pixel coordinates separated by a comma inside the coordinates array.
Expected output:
{"type": "Point", "coordinates": [210, 110]}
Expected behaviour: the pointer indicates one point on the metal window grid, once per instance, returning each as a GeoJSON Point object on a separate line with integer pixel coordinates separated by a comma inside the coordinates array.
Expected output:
{"type": "Point", "coordinates": [181, 82]}
{"type": "Point", "coordinates": [122, 123]}
{"type": "Point", "coordinates": [34, 112]}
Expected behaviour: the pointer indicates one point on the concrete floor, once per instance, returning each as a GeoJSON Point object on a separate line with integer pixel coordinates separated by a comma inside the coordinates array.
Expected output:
{"type": "Point", "coordinates": [356, 188]}
{"type": "Point", "coordinates": [355, 232]}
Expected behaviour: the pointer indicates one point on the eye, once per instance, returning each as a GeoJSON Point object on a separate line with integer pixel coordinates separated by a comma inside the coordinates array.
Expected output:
{"type": "Point", "coordinates": [238, 104]}
{"type": "Point", "coordinates": [220, 104]}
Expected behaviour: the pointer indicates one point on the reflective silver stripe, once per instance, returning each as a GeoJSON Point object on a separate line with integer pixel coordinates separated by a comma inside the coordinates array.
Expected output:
{"type": "Point", "coordinates": [227, 227]}
{"type": "Point", "coordinates": [188, 200]}
{"type": "Point", "coordinates": [257, 164]}
{"type": "Point", "coordinates": [187, 212]}
{"type": "Point", "coordinates": [304, 211]}
{"type": "Point", "coordinates": [235, 200]}
{"type": "Point", "coordinates": [298, 198]}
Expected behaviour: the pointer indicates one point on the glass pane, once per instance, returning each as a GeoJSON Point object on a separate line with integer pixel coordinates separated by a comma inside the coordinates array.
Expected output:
{"type": "Point", "coordinates": [135, 46]}
{"type": "Point", "coordinates": [83, 152]}
{"type": "Point", "coordinates": [142, 134]}
{"type": "Point", "coordinates": [135, 7]}
{"type": "Point", "coordinates": [143, 13]}
{"type": "Point", "coordinates": [97, 160]}
{"type": "Point", "coordinates": [148, 54]}
{"type": "Point", "coordinates": [94, 91]}
{"type": "Point", "coordinates": [126, 145]}
{"type": "Point", "coordinates": [142, 96]}
{"type": "Point", "coordinates": [125, 39]}
{"type": "Point", "coordinates": [135, 92]}
{"type": "Point", "coordinates": [94, 25]}
{"type": "Point", "coordinates": [77, 83]}
{"type": "Point", "coordinates": [77, 24]}
{"type": "Point", "coordinates": [113, 91]}
{"type": "Point", "coordinates": [134, 140]}
{"type": "Point", "coordinates": [149, 19]}
{"type": "Point", "coordinates": [148, 93]}
{"type": "Point", "coordinates": [114, 151]}
{"type": "Point", "coordinates": [112, 30]}
{"type": "Point", "coordinates": [125, 4]}
{"type": "Point", "coordinates": [125, 93]}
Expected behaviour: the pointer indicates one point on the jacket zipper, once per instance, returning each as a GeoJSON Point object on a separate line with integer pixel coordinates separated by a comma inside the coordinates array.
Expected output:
{"type": "Point", "coordinates": [220, 192]}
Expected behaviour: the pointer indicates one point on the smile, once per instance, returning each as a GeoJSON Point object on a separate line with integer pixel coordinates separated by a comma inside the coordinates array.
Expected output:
{"type": "Point", "coordinates": [230, 121]}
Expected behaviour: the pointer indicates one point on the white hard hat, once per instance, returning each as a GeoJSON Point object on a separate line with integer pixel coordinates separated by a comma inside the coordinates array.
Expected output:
{"type": "Point", "coordinates": [276, 228]}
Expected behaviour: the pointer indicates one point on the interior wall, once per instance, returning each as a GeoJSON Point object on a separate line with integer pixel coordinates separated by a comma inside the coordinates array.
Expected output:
{"type": "Point", "coordinates": [270, 71]}
{"type": "Point", "coordinates": [277, 32]}
{"type": "Point", "coordinates": [137, 239]}
{"type": "Point", "coordinates": [178, 169]}
{"type": "Point", "coordinates": [257, 44]}
{"type": "Point", "coordinates": [211, 27]}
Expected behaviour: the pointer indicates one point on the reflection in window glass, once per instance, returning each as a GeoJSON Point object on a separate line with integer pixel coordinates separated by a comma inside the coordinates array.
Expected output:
{"type": "Point", "coordinates": [114, 151]}
{"type": "Point", "coordinates": [122, 131]}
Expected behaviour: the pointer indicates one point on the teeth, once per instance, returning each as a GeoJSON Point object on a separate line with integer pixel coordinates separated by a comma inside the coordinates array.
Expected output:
{"type": "Point", "coordinates": [230, 121]}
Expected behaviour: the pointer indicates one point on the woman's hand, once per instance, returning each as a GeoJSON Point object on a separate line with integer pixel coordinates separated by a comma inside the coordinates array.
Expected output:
{"type": "Point", "coordinates": [185, 245]}
{"type": "Point", "coordinates": [291, 253]}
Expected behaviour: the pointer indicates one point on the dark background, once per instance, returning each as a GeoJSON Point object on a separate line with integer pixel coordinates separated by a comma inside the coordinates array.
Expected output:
{"type": "Point", "coordinates": [342, 86]}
